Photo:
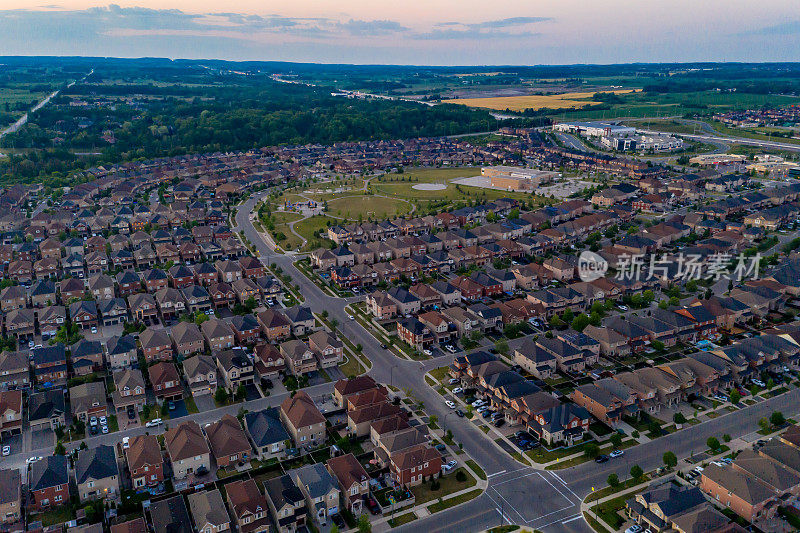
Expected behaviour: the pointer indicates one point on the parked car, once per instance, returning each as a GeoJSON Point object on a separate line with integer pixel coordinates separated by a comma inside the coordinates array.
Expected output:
{"type": "Point", "coordinates": [31, 460]}
{"type": "Point", "coordinates": [441, 447]}
{"type": "Point", "coordinates": [153, 423]}
{"type": "Point", "coordinates": [459, 413]}
{"type": "Point", "coordinates": [450, 348]}
{"type": "Point", "coordinates": [449, 466]}
{"type": "Point", "coordinates": [759, 383]}
{"type": "Point", "coordinates": [616, 453]}
{"type": "Point", "coordinates": [103, 421]}
{"type": "Point", "coordinates": [371, 504]}
{"type": "Point", "coordinates": [450, 404]}
{"type": "Point", "coordinates": [104, 429]}
{"type": "Point", "coordinates": [478, 403]}
{"type": "Point", "coordinates": [339, 521]}
{"type": "Point", "coordinates": [6, 451]}
{"type": "Point", "coordinates": [499, 422]}
{"type": "Point", "coordinates": [350, 317]}
{"type": "Point", "coordinates": [427, 352]}
{"type": "Point", "coordinates": [635, 528]}
{"type": "Point", "coordinates": [126, 443]}
{"type": "Point", "coordinates": [458, 390]}
{"type": "Point", "coordinates": [601, 459]}
{"type": "Point", "coordinates": [93, 421]}
{"type": "Point", "coordinates": [453, 381]}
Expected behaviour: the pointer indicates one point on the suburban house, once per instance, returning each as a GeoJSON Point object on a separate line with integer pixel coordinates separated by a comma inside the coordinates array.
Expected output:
{"type": "Point", "coordinates": [145, 463]}
{"type": "Point", "coordinates": [352, 478]}
{"type": "Point", "coordinates": [48, 482]}
{"type": "Point", "coordinates": [97, 473]}
{"type": "Point", "coordinates": [165, 381]}
{"type": "Point", "coordinates": [187, 449]}
{"type": "Point", "coordinates": [201, 374]}
{"type": "Point", "coordinates": [208, 512]}
{"type": "Point", "coordinates": [249, 507]}
{"type": "Point", "coordinates": [267, 434]}
{"type": "Point", "coordinates": [88, 400]}
{"type": "Point", "coordinates": [287, 504]}
{"type": "Point", "coordinates": [229, 444]}
{"type": "Point", "coordinates": [320, 489]}
{"type": "Point", "coordinates": [304, 422]}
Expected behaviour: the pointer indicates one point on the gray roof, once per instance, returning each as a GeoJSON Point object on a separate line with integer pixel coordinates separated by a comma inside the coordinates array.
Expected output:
{"type": "Point", "coordinates": [265, 427]}
{"type": "Point", "coordinates": [208, 507]}
{"type": "Point", "coordinates": [316, 479]}
{"type": "Point", "coordinates": [96, 463]}
{"type": "Point", "coordinates": [170, 516]}
{"type": "Point", "coordinates": [49, 472]}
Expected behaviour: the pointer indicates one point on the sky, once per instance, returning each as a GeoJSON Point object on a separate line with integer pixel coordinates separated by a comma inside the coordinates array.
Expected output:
{"type": "Point", "coordinates": [417, 32]}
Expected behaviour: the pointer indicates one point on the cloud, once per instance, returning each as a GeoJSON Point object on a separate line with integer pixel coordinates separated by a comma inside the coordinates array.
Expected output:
{"type": "Point", "coordinates": [514, 27]}
{"type": "Point", "coordinates": [371, 27]}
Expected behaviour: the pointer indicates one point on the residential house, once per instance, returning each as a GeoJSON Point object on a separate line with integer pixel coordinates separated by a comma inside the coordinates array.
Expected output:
{"type": "Point", "coordinates": [165, 381]}
{"type": "Point", "coordinates": [286, 503]}
{"type": "Point", "coordinates": [46, 410]}
{"type": "Point", "coordinates": [145, 463]}
{"type": "Point", "coordinates": [187, 449]}
{"type": "Point", "coordinates": [353, 480]}
{"type": "Point", "coordinates": [48, 482]}
{"type": "Point", "coordinates": [88, 400]}
{"type": "Point", "coordinates": [201, 374]}
{"type": "Point", "coordinates": [265, 431]}
{"type": "Point", "coordinates": [328, 349]}
{"type": "Point", "coordinates": [235, 369]}
{"type": "Point", "coordinates": [129, 390]}
{"type": "Point", "coordinates": [303, 420]}
{"type": "Point", "coordinates": [320, 489]}
{"type": "Point", "coordinates": [228, 442]}
{"type": "Point", "coordinates": [97, 474]}
{"type": "Point", "coordinates": [208, 512]}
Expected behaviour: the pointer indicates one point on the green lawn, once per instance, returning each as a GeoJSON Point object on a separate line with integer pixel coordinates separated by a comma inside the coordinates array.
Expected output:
{"type": "Point", "coordinates": [477, 469]}
{"type": "Point", "coordinates": [375, 207]}
{"type": "Point", "coordinates": [452, 502]}
{"type": "Point", "coordinates": [58, 515]}
{"type": "Point", "coordinates": [448, 485]}
{"type": "Point", "coordinates": [351, 367]}
{"type": "Point", "coordinates": [402, 519]}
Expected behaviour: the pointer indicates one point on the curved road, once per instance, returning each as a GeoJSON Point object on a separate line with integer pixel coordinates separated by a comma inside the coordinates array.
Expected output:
{"type": "Point", "coordinates": [531, 497]}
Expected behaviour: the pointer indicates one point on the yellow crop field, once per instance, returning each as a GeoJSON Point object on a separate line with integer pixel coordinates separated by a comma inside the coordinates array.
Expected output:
{"type": "Point", "coordinates": [519, 103]}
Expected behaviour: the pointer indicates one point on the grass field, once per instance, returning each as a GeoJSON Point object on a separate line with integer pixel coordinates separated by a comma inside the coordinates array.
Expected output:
{"type": "Point", "coordinates": [367, 206]}
{"type": "Point", "coordinates": [519, 103]}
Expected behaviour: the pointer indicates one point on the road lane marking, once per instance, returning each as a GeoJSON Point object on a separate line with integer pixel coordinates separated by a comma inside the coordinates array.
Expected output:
{"type": "Point", "coordinates": [496, 474]}
{"type": "Point", "coordinates": [576, 517]}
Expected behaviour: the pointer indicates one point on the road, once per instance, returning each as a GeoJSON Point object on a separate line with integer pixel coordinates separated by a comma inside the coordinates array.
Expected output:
{"type": "Point", "coordinates": [528, 496]}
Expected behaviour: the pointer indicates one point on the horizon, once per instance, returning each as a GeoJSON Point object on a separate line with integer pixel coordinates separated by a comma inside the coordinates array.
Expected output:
{"type": "Point", "coordinates": [444, 33]}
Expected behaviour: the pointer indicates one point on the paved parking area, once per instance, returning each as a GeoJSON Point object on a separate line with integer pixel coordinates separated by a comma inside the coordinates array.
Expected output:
{"type": "Point", "coordinates": [15, 441]}
{"type": "Point", "coordinates": [42, 439]}
{"type": "Point", "coordinates": [179, 411]}
{"type": "Point", "coordinates": [251, 392]}
{"type": "Point", "coordinates": [205, 402]}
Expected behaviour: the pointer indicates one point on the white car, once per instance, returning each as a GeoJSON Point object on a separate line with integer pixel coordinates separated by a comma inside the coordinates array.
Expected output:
{"type": "Point", "coordinates": [453, 381]}
{"type": "Point", "coordinates": [351, 317]}
{"type": "Point", "coordinates": [94, 330]}
{"type": "Point", "coordinates": [449, 465]}
{"type": "Point", "coordinates": [103, 420]}
{"type": "Point", "coordinates": [31, 344]}
{"type": "Point", "coordinates": [616, 453]}
{"type": "Point", "coordinates": [478, 403]}
{"type": "Point", "coordinates": [635, 528]}
{"type": "Point", "coordinates": [450, 404]}
{"type": "Point", "coordinates": [31, 460]}
{"type": "Point", "coordinates": [759, 383]}
{"type": "Point", "coordinates": [6, 451]}
{"type": "Point", "coordinates": [623, 307]}
{"type": "Point", "coordinates": [93, 421]}
{"type": "Point", "coordinates": [450, 348]}
{"type": "Point", "coordinates": [153, 423]}
{"type": "Point", "coordinates": [104, 429]}
{"type": "Point", "coordinates": [126, 443]}
{"type": "Point", "coordinates": [482, 408]}
{"type": "Point", "coordinates": [458, 390]}
{"type": "Point", "coordinates": [427, 352]}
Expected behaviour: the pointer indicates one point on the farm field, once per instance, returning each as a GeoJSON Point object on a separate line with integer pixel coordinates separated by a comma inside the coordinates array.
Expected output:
{"type": "Point", "coordinates": [520, 103]}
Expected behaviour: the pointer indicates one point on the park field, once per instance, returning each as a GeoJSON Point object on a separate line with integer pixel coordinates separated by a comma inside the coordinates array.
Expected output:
{"type": "Point", "coordinates": [520, 103]}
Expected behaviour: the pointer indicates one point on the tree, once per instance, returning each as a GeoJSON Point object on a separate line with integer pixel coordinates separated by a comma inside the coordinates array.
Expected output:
{"type": "Point", "coordinates": [591, 450]}
{"type": "Point", "coordinates": [663, 304]}
{"type": "Point", "coordinates": [616, 439]}
{"type": "Point", "coordinates": [764, 424]}
{"type": "Point", "coordinates": [777, 419]}
{"type": "Point", "coordinates": [713, 443]}
{"type": "Point", "coordinates": [735, 396]}
{"type": "Point", "coordinates": [613, 480]}
{"type": "Point", "coordinates": [670, 459]}
{"type": "Point", "coordinates": [241, 392]}
{"type": "Point", "coordinates": [568, 315]}
{"type": "Point", "coordinates": [60, 450]}
{"type": "Point", "coordinates": [364, 525]}
{"type": "Point", "coordinates": [770, 383]}
{"type": "Point", "coordinates": [501, 346]}
{"type": "Point", "coordinates": [678, 418]}
{"type": "Point", "coordinates": [637, 472]}
{"type": "Point", "coordinates": [324, 313]}
{"type": "Point", "coordinates": [221, 396]}
{"type": "Point", "coordinates": [726, 437]}
{"type": "Point", "coordinates": [580, 322]}
{"type": "Point", "coordinates": [658, 345]}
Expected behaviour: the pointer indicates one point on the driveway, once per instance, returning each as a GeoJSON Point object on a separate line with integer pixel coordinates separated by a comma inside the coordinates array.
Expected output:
{"type": "Point", "coordinates": [42, 439]}
{"type": "Point", "coordinates": [252, 392]}
{"type": "Point", "coordinates": [314, 378]}
{"type": "Point", "coordinates": [179, 411]}
{"type": "Point", "coordinates": [205, 402]}
{"type": "Point", "coordinates": [335, 373]}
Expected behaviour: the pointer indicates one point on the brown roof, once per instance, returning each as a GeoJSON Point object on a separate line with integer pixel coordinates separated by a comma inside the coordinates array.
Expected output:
{"type": "Point", "coordinates": [414, 456]}
{"type": "Point", "coordinates": [792, 436]}
{"type": "Point", "coordinates": [347, 470]}
{"type": "Point", "coordinates": [245, 497]}
{"type": "Point", "coordinates": [185, 440]}
{"type": "Point", "coordinates": [393, 423]}
{"type": "Point", "coordinates": [161, 372]}
{"type": "Point", "coordinates": [301, 411]}
{"type": "Point", "coordinates": [373, 412]}
{"type": "Point", "coordinates": [143, 450]}
{"type": "Point", "coordinates": [226, 437]}
{"type": "Point", "coordinates": [136, 525]}
{"type": "Point", "coordinates": [353, 385]}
